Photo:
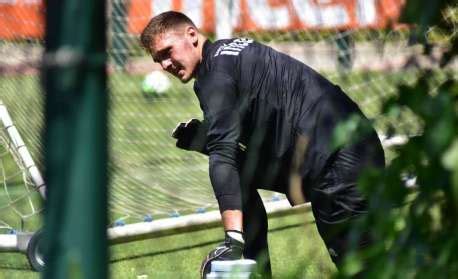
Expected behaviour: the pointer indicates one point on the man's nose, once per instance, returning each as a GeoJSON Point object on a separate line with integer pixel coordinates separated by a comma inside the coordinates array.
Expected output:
{"type": "Point", "coordinates": [166, 63]}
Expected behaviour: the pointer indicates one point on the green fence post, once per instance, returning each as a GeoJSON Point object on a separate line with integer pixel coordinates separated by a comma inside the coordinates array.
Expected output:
{"type": "Point", "coordinates": [75, 139]}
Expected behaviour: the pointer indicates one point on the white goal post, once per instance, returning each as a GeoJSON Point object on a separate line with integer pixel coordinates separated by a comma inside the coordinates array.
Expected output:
{"type": "Point", "coordinates": [18, 241]}
{"type": "Point", "coordinates": [191, 222]}
{"type": "Point", "coordinates": [22, 151]}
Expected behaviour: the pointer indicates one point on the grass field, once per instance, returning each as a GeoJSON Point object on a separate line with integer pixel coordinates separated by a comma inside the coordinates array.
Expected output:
{"type": "Point", "coordinates": [296, 251]}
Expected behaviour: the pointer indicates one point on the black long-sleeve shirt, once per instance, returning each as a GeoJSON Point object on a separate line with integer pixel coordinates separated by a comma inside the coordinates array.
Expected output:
{"type": "Point", "coordinates": [257, 101]}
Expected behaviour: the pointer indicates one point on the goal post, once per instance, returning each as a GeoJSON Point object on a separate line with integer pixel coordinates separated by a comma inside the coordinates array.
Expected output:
{"type": "Point", "coordinates": [21, 180]}
{"type": "Point", "coordinates": [21, 151]}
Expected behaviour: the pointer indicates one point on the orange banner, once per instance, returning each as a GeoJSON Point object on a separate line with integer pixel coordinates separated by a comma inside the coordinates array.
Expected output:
{"type": "Point", "coordinates": [24, 18]}
{"type": "Point", "coordinates": [21, 19]}
{"type": "Point", "coordinates": [267, 15]}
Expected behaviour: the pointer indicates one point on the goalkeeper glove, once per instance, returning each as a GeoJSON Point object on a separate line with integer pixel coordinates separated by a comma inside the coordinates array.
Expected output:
{"type": "Point", "coordinates": [231, 249]}
{"type": "Point", "coordinates": [191, 135]}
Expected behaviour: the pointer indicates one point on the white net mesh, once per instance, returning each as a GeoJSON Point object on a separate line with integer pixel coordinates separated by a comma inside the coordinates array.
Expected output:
{"type": "Point", "coordinates": [350, 42]}
{"type": "Point", "coordinates": [19, 201]}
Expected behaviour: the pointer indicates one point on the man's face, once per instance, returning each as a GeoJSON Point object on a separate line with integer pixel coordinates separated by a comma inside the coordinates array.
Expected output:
{"type": "Point", "coordinates": [176, 51]}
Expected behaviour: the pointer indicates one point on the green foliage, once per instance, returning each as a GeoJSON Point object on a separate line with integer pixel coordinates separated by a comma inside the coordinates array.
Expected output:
{"type": "Point", "coordinates": [424, 13]}
{"type": "Point", "coordinates": [415, 229]}
{"type": "Point", "coordinates": [351, 130]}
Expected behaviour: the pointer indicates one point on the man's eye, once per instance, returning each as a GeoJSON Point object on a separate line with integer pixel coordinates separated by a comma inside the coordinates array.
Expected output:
{"type": "Point", "coordinates": [162, 55]}
{"type": "Point", "coordinates": [167, 54]}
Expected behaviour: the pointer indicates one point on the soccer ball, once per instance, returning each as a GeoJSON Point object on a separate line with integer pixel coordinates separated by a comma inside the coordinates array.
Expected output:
{"type": "Point", "coordinates": [156, 82]}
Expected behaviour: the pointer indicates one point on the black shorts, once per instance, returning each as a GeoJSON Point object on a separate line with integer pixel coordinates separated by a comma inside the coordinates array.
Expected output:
{"type": "Point", "coordinates": [338, 204]}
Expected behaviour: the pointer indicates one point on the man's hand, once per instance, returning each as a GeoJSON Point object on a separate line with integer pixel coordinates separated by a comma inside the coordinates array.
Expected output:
{"type": "Point", "coordinates": [191, 135]}
{"type": "Point", "coordinates": [231, 249]}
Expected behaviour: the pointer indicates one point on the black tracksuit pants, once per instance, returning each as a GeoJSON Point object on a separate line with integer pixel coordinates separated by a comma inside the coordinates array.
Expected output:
{"type": "Point", "coordinates": [336, 201]}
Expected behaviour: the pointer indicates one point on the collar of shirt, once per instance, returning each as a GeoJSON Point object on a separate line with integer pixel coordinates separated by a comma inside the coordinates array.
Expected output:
{"type": "Point", "coordinates": [206, 50]}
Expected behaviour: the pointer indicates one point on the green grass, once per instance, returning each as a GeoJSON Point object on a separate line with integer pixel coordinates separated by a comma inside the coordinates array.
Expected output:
{"type": "Point", "coordinates": [295, 247]}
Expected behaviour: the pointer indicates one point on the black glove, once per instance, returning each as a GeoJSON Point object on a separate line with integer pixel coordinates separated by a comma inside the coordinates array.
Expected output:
{"type": "Point", "coordinates": [231, 249]}
{"type": "Point", "coordinates": [191, 135]}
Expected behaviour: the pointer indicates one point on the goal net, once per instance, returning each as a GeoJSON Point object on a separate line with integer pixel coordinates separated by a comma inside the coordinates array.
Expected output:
{"type": "Point", "coordinates": [22, 187]}
{"type": "Point", "coordinates": [357, 44]}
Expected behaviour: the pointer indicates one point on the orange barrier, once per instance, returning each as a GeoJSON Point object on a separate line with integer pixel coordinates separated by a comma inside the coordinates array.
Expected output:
{"type": "Point", "coordinates": [275, 14]}
{"type": "Point", "coordinates": [21, 19]}
{"type": "Point", "coordinates": [24, 18]}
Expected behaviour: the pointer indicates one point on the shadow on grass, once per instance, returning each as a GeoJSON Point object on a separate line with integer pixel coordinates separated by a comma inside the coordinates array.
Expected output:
{"type": "Point", "coordinates": [10, 267]}
{"type": "Point", "coordinates": [199, 245]}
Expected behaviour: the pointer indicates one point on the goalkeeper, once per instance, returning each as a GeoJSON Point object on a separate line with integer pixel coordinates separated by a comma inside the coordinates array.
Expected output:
{"type": "Point", "coordinates": [267, 118]}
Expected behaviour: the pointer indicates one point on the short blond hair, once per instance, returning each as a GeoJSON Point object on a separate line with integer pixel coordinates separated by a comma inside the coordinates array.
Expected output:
{"type": "Point", "coordinates": [162, 23]}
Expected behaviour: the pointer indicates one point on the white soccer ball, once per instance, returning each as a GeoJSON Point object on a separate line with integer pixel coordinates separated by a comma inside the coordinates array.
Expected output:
{"type": "Point", "coordinates": [156, 82]}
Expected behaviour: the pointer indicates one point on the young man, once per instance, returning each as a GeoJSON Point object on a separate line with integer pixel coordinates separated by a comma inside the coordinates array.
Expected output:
{"type": "Point", "coordinates": [267, 118]}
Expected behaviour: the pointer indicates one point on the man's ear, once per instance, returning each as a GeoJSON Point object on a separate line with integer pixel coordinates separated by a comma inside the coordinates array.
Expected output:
{"type": "Point", "coordinates": [192, 34]}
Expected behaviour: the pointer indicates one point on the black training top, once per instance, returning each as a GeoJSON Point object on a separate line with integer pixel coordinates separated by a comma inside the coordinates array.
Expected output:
{"type": "Point", "coordinates": [256, 101]}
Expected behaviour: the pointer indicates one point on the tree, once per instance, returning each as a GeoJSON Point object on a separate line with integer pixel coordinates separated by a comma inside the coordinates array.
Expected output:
{"type": "Point", "coordinates": [416, 229]}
